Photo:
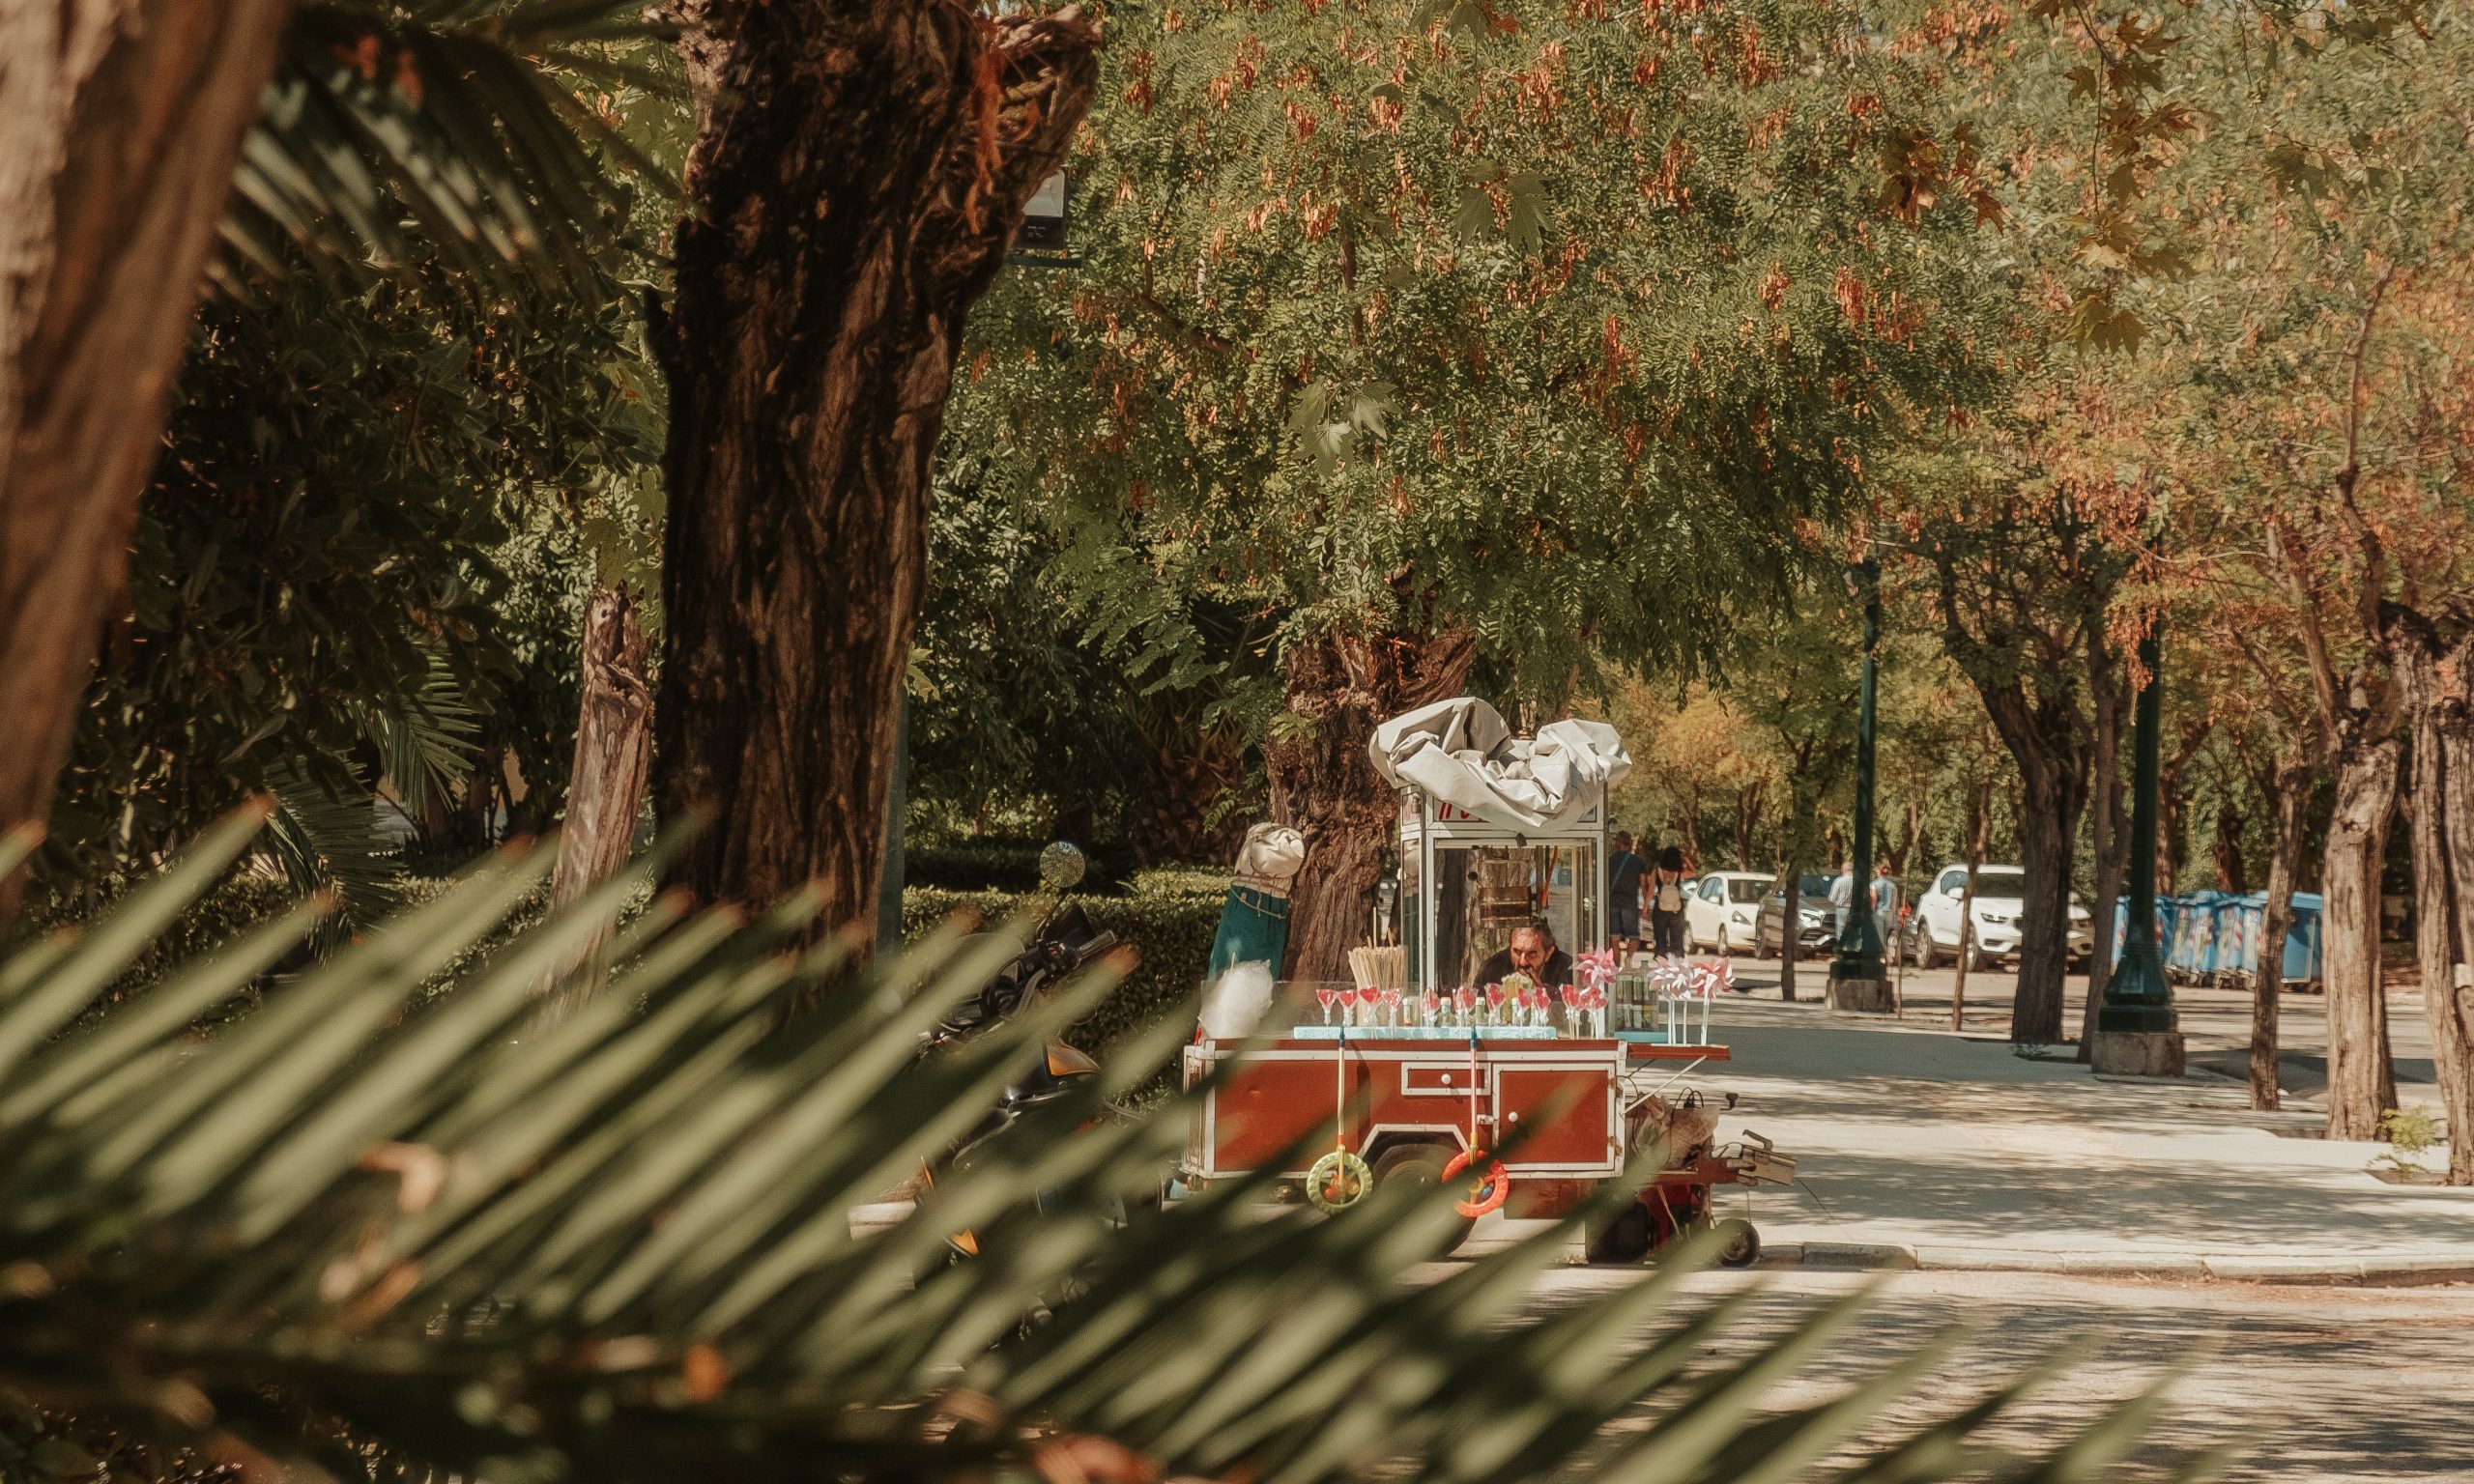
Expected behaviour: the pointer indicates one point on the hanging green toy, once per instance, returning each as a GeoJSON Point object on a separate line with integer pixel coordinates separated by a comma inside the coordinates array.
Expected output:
{"type": "Point", "coordinates": [1339, 1179]}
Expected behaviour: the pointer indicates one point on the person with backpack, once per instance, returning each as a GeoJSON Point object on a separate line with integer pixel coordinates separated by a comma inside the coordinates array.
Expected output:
{"type": "Point", "coordinates": [1665, 891]}
{"type": "Point", "coordinates": [1624, 894]}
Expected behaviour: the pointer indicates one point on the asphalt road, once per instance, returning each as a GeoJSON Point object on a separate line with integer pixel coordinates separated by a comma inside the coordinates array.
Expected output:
{"type": "Point", "coordinates": [2329, 1386]}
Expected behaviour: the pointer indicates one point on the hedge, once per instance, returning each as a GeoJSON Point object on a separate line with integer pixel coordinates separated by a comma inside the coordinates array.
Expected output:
{"type": "Point", "coordinates": [1170, 931]}
{"type": "Point", "coordinates": [1007, 866]}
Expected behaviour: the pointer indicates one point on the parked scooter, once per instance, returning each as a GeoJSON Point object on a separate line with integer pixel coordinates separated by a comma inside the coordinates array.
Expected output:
{"type": "Point", "coordinates": [1060, 945]}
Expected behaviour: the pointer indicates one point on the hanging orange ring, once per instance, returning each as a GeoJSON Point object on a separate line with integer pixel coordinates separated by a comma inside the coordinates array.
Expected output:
{"type": "Point", "coordinates": [1489, 1194]}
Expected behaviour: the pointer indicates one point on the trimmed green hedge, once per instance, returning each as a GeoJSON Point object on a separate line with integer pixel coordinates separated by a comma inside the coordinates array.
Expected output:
{"type": "Point", "coordinates": [1007, 866]}
{"type": "Point", "coordinates": [1171, 932]}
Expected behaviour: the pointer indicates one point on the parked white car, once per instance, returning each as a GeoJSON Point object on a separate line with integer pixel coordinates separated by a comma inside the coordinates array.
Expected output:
{"type": "Point", "coordinates": [1933, 937]}
{"type": "Point", "coordinates": [1720, 910]}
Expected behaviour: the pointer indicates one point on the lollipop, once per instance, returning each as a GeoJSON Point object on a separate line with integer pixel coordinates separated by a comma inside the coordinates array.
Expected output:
{"type": "Point", "coordinates": [1432, 1004]}
{"type": "Point", "coordinates": [1368, 1000]}
{"type": "Point", "coordinates": [1330, 998]}
{"type": "Point", "coordinates": [1392, 1006]}
{"type": "Point", "coordinates": [1465, 999]}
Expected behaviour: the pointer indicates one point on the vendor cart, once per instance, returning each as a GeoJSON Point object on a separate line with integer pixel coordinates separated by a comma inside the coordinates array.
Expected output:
{"type": "Point", "coordinates": [1432, 1081]}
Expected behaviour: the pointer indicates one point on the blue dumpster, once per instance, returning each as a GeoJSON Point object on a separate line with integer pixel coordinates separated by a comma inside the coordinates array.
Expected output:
{"type": "Point", "coordinates": [2302, 940]}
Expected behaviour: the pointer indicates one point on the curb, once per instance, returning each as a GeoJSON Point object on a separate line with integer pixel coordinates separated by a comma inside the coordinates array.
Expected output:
{"type": "Point", "coordinates": [2225, 1267]}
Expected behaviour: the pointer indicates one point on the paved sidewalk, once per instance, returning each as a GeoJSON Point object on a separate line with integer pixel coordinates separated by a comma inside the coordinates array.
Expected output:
{"type": "Point", "coordinates": [1920, 1147]}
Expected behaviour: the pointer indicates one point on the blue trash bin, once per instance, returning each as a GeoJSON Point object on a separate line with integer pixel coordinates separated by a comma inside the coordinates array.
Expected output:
{"type": "Point", "coordinates": [2302, 940]}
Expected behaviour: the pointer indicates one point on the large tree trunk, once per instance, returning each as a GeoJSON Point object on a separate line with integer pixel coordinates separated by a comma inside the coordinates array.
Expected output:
{"type": "Point", "coordinates": [2362, 1079]}
{"type": "Point", "coordinates": [120, 123]}
{"type": "Point", "coordinates": [606, 790]}
{"type": "Point", "coordinates": [2437, 678]}
{"type": "Point", "coordinates": [858, 172]}
{"type": "Point", "coordinates": [2046, 827]}
{"type": "Point", "coordinates": [1322, 781]}
{"type": "Point", "coordinates": [2108, 828]}
{"type": "Point", "coordinates": [2289, 793]}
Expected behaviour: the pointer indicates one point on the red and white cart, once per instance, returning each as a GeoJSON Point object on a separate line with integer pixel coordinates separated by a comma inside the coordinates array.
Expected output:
{"type": "Point", "coordinates": [1416, 1099]}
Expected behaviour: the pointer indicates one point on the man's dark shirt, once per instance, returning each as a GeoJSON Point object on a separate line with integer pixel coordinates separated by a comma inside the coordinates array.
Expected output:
{"type": "Point", "coordinates": [1623, 878]}
{"type": "Point", "coordinates": [1558, 970]}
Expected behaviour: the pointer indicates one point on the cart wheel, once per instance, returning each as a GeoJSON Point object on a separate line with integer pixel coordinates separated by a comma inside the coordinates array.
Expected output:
{"type": "Point", "coordinates": [1739, 1245]}
{"type": "Point", "coordinates": [1421, 1165]}
{"type": "Point", "coordinates": [1622, 1239]}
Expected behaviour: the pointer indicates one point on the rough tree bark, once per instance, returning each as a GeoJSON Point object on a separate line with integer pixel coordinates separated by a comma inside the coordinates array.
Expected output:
{"type": "Point", "coordinates": [120, 124]}
{"type": "Point", "coordinates": [606, 788]}
{"type": "Point", "coordinates": [2109, 826]}
{"type": "Point", "coordinates": [2288, 790]}
{"type": "Point", "coordinates": [2437, 674]}
{"type": "Point", "coordinates": [2055, 789]}
{"type": "Point", "coordinates": [2362, 1074]}
{"type": "Point", "coordinates": [859, 169]}
{"type": "Point", "coordinates": [1342, 685]}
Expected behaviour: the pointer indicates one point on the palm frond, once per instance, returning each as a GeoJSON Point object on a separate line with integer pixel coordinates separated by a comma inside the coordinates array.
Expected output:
{"type": "Point", "coordinates": [426, 743]}
{"type": "Point", "coordinates": [395, 133]}
{"type": "Point", "coordinates": [329, 842]}
{"type": "Point", "coordinates": [619, 1246]}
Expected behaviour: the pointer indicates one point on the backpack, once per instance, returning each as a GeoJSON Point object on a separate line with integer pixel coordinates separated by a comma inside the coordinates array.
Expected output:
{"type": "Point", "coordinates": [1670, 895]}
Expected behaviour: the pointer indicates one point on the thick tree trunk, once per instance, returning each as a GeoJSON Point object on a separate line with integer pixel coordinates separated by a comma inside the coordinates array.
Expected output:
{"type": "Point", "coordinates": [2362, 1079]}
{"type": "Point", "coordinates": [858, 173]}
{"type": "Point", "coordinates": [2046, 827]}
{"type": "Point", "coordinates": [606, 790]}
{"type": "Point", "coordinates": [2437, 676]}
{"type": "Point", "coordinates": [120, 124]}
{"type": "Point", "coordinates": [2108, 828]}
{"type": "Point", "coordinates": [2291, 796]}
{"type": "Point", "coordinates": [1323, 782]}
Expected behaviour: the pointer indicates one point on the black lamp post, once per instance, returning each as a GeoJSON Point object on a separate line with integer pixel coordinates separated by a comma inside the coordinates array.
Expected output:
{"type": "Point", "coordinates": [2135, 1024]}
{"type": "Point", "coordinates": [1857, 980]}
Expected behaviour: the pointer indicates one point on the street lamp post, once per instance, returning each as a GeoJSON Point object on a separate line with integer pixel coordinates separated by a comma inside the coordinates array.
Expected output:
{"type": "Point", "coordinates": [1858, 979]}
{"type": "Point", "coordinates": [2135, 1024]}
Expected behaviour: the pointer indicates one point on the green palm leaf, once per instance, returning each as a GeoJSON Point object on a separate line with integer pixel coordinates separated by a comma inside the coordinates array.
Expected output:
{"type": "Point", "coordinates": [382, 1230]}
{"type": "Point", "coordinates": [394, 134]}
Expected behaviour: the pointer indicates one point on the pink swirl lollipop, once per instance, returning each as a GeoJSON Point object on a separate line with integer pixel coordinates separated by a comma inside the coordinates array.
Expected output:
{"type": "Point", "coordinates": [1392, 1006]}
{"type": "Point", "coordinates": [1466, 999]}
{"type": "Point", "coordinates": [1433, 1003]}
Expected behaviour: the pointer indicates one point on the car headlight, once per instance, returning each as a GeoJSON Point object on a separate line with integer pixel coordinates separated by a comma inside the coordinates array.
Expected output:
{"type": "Point", "coordinates": [1811, 918]}
{"type": "Point", "coordinates": [1994, 918]}
{"type": "Point", "coordinates": [1741, 918]}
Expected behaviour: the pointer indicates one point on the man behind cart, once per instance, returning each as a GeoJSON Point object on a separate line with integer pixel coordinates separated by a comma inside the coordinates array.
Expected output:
{"type": "Point", "coordinates": [1532, 952]}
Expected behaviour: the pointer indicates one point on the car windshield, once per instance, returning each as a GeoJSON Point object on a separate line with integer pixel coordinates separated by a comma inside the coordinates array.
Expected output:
{"type": "Point", "coordinates": [2001, 883]}
{"type": "Point", "coordinates": [1739, 889]}
{"type": "Point", "coordinates": [1815, 886]}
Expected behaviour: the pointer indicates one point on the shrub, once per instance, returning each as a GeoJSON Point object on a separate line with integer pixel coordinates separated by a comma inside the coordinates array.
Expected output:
{"type": "Point", "coordinates": [1007, 866]}
{"type": "Point", "coordinates": [1172, 930]}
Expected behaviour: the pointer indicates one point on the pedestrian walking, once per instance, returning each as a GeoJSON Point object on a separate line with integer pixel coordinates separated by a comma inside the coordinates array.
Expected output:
{"type": "Point", "coordinates": [1885, 900]}
{"type": "Point", "coordinates": [1666, 903]}
{"type": "Point", "coordinates": [1624, 870]}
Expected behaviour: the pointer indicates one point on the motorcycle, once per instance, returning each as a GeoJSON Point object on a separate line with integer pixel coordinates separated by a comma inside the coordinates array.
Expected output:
{"type": "Point", "coordinates": [1061, 944]}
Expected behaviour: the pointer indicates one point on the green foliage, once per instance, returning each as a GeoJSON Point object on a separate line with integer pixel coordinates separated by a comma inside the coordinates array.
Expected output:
{"type": "Point", "coordinates": [1008, 705]}
{"type": "Point", "coordinates": [619, 1247]}
{"type": "Point", "coordinates": [1554, 330]}
{"type": "Point", "coordinates": [317, 595]}
{"type": "Point", "coordinates": [2411, 1133]}
{"type": "Point", "coordinates": [1170, 926]}
{"type": "Point", "coordinates": [417, 136]}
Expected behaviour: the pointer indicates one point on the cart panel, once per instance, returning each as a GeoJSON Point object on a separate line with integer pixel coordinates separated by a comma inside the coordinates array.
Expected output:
{"type": "Point", "coordinates": [1566, 1117]}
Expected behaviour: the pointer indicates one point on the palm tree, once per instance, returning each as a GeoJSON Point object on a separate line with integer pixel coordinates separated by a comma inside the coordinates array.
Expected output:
{"type": "Point", "coordinates": [386, 1225]}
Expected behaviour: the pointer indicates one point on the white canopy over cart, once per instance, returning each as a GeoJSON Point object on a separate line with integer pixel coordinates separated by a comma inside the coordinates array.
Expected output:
{"type": "Point", "coordinates": [1495, 830]}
